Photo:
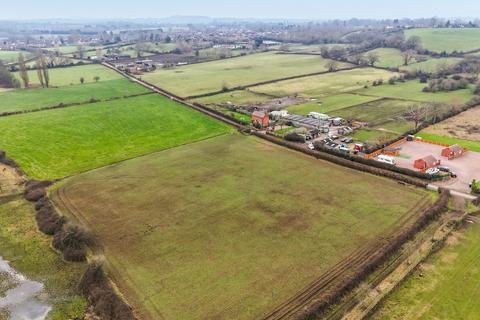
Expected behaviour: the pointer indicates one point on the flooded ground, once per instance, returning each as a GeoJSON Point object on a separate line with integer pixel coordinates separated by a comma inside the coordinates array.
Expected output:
{"type": "Point", "coordinates": [20, 298]}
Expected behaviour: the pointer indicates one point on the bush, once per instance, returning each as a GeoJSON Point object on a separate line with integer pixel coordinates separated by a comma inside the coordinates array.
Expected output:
{"type": "Point", "coordinates": [34, 195]}
{"type": "Point", "coordinates": [294, 137]}
{"type": "Point", "coordinates": [48, 221]}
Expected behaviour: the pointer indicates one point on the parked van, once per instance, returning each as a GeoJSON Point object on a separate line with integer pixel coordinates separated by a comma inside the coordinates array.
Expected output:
{"type": "Point", "coordinates": [318, 116]}
{"type": "Point", "coordinates": [386, 159]}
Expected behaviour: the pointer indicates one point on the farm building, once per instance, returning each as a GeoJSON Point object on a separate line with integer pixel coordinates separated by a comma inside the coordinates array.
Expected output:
{"type": "Point", "coordinates": [260, 118]}
{"type": "Point", "coordinates": [426, 163]}
{"type": "Point", "coordinates": [453, 152]}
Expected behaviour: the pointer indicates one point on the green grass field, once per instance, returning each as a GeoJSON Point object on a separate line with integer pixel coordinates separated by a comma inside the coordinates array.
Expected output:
{"type": "Point", "coordinates": [389, 57]}
{"type": "Point", "coordinates": [444, 287]}
{"type": "Point", "coordinates": [12, 56]}
{"type": "Point", "coordinates": [72, 75]}
{"type": "Point", "coordinates": [412, 90]}
{"type": "Point", "coordinates": [30, 254]}
{"type": "Point", "coordinates": [374, 111]}
{"type": "Point", "coordinates": [28, 99]}
{"type": "Point", "coordinates": [212, 76]}
{"type": "Point", "coordinates": [448, 40]}
{"type": "Point", "coordinates": [431, 65]}
{"type": "Point", "coordinates": [61, 142]}
{"type": "Point", "coordinates": [326, 84]}
{"type": "Point", "coordinates": [70, 49]}
{"type": "Point", "coordinates": [330, 103]}
{"type": "Point", "coordinates": [238, 97]}
{"type": "Point", "coordinates": [234, 238]}
{"type": "Point", "coordinates": [471, 145]}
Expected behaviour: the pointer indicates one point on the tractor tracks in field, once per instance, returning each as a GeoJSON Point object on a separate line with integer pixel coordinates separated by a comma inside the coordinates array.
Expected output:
{"type": "Point", "coordinates": [334, 282]}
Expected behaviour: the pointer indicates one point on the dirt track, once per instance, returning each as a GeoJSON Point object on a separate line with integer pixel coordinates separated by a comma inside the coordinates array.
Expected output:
{"type": "Point", "coordinates": [10, 180]}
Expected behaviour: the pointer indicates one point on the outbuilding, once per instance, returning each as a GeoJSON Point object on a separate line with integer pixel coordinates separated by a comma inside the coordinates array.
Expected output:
{"type": "Point", "coordinates": [260, 118]}
{"type": "Point", "coordinates": [452, 152]}
{"type": "Point", "coordinates": [426, 163]}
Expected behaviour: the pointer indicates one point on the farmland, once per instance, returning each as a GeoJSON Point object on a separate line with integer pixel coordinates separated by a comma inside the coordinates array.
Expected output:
{"type": "Point", "coordinates": [28, 99]}
{"type": "Point", "coordinates": [12, 56]}
{"type": "Point", "coordinates": [71, 75]}
{"type": "Point", "coordinates": [30, 254]}
{"type": "Point", "coordinates": [331, 103]}
{"type": "Point", "coordinates": [236, 237]}
{"type": "Point", "coordinates": [444, 287]}
{"type": "Point", "coordinates": [412, 90]}
{"type": "Point", "coordinates": [212, 76]}
{"type": "Point", "coordinates": [449, 40]}
{"type": "Point", "coordinates": [325, 84]}
{"type": "Point", "coordinates": [57, 143]}
{"type": "Point", "coordinates": [238, 97]}
{"type": "Point", "coordinates": [388, 57]}
{"type": "Point", "coordinates": [432, 65]}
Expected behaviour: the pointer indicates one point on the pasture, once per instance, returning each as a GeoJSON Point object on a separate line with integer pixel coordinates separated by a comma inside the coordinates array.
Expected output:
{"type": "Point", "coordinates": [71, 75]}
{"type": "Point", "coordinates": [29, 252]}
{"type": "Point", "coordinates": [237, 97]}
{"type": "Point", "coordinates": [432, 65]}
{"type": "Point", "coordinates": [212, 76]}
{"type": "Point", "coordinates": [449, 40]}
{"type": "Point", "coordinates": [444, 287]}
{"type": "Point", "coordinates": [12, 56]}
{"type": "Point", "coordinates": [234, 238]}
{"type": "Point", "coordinates": [29, 99]}
{"type": "Point", "coordinates": [379, 110]}
{"type": "Point", "coordinates": [325, 84]}
{"type": "Point", "coordinates": [388, 57]}
{"type": "Point", "coordinates": [450, 140]}
{"type": "Point", "coordinates": [412, 90]}
{"type": "Point", "coordinates": [61, 142]}
{"type": "Point", "coordinates": [330, 103]}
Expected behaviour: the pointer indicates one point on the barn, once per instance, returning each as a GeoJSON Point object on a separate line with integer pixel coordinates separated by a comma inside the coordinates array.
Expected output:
{"type": "Point", "coordinates": [260, 118]}
{"type": "Point", "coordinates": [426, 163]}
{"type": "Point", "coordinates": [453, 152]}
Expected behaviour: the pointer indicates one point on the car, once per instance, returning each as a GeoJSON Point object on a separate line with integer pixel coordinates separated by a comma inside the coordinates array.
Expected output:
{"type": "Point", "coordinates": [444, 169]}
{"type": "Point", "coordinates": [386, 159]}
{"type": "Point", "coordinates": [344, 148]}
{"type": "Point", "coordinates": [310, 146]}
{"type": "Point", "coordinates": [332, 136]}
{"type": "Point", "coordinates": [453, 174]}
{"type": "Point", "coordinates": [347, 140]}
{"type": "Point", "coordinates": [432, 171]}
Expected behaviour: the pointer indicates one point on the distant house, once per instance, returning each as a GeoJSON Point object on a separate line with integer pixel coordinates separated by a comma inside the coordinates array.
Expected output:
{"type": "Point", "coordinates": [260, 118]}
{"type": "Point", "coordinates": [453, 152]}
{"type": "Point", "coordinates": [426, 163]}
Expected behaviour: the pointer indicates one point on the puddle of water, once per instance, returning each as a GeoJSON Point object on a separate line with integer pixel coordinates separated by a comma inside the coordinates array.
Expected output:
{"type": "Point", "coordinates": [23, 301]}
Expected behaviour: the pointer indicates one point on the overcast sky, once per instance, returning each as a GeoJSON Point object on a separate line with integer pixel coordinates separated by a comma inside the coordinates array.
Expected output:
{"type": "Point", "coordinates": [308, 9]}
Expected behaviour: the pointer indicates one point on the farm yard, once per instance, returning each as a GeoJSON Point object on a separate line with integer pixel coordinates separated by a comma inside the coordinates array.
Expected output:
{"type": "Point", "coordinates": [224, 237]}
{"type": "Point", "coordinates": [443, 287]}
{"type": "Point", "coordinates": [449, 40]}
{"type": "Point", "coordinates": [197, 79]}
{"type": "Point", "coordinates": [57, 143]}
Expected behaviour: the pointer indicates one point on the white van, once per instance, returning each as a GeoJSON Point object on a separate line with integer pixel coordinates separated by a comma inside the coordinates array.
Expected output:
{"type": "Point", "coordinates": [386, 159]}
{"type": "Point", "coordinates": [318, 116]}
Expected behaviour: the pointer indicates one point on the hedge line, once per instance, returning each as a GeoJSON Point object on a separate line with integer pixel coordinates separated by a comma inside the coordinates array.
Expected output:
{"type": "Point", "coordinates": [356, 163]}
{"type": "Point", "coordinates": [379, 256]}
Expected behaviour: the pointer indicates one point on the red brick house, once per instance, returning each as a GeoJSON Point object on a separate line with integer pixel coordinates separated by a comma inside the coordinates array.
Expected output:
{"type": "Point", "coordinates": [453, 152]}
{"type": "Point", "coordinates": [260, 118]}
{"type": "Point", "coordinates": [426, 163]}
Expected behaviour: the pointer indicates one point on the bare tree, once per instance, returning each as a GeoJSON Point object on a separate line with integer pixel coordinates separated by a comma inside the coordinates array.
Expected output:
{"type": "Point", "coordinates": [372, 58]}
{"type": "Point", "coordinates": [358, 59]}
{"type": "Point", "coordinates": [415, 114]}
{"type": "Point", "coordinates": [80, 51]}
{"type": "Point", "coordinates": [38, 66]}
{"type": "Point", "coordinates": [407, 56]}
{"type": "Point", "coordinates": [23, 71]}
{"type": "Point", "coordinates": [331, 65]}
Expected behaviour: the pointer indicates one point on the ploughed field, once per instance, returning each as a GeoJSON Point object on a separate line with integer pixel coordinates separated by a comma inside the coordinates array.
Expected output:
{"type": "Point", "coordinates": [57, 143]}
{"type": "Point", "coordinates": [230, 227]}
{"type": "Point", "coordinates": [212, 76]}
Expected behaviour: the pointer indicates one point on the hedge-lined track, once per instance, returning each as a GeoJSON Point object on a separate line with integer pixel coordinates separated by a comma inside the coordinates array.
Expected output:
{"type": "Point", "coordinates": [325, 285]}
